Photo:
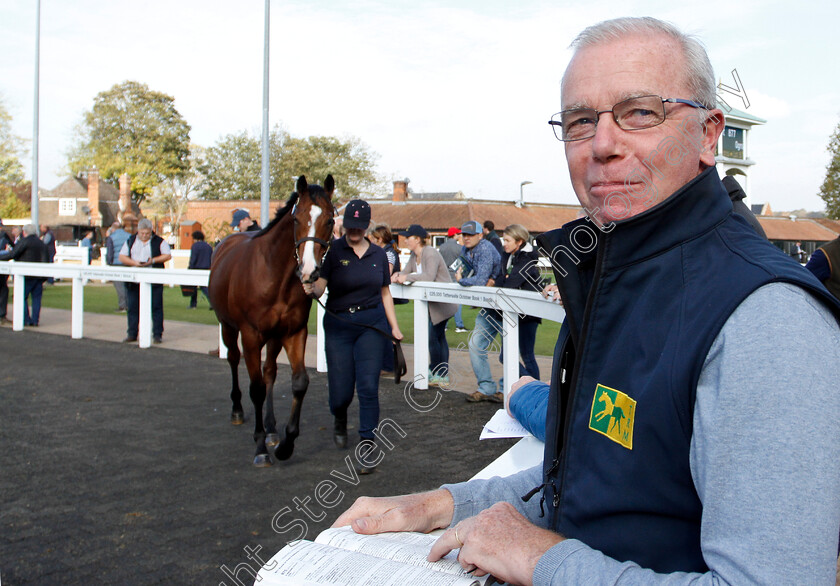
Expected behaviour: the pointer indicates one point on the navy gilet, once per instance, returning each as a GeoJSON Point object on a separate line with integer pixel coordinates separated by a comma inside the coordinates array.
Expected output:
{"type": "Point", "coordinates": [644, 302]}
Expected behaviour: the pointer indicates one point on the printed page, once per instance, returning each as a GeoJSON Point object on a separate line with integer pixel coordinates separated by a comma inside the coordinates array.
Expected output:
{"type": "Point", "coordinates": [405, 547]}
{"type": "Point", "coordinates": [502, 425]}
{"type": "Point", "coordinates": [313, 564]}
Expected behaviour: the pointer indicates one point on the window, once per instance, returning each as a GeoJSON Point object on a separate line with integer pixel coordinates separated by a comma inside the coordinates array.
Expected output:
{"type": "Point", "coordinates": [67, 206]}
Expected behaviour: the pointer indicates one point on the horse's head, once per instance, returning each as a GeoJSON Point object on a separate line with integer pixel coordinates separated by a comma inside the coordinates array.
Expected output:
{"type": "Point", "coordinates": [313, 214]}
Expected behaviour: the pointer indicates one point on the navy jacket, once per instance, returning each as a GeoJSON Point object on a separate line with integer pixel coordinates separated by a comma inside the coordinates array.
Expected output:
{"type": "Point", "coordinates": [201, 254]}
{"type": "Point", "coordinates": [644, 302]}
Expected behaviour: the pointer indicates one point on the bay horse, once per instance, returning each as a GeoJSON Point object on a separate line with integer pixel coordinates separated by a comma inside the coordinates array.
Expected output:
{"type": "Point", "coordinates": [255, 289]}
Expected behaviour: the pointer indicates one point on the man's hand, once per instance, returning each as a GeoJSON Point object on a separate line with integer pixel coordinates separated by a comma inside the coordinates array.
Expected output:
{"type": "Point", "coordinates": [498, 541]}
{"type": "Point", "coordinates": [524, 380]}
{"type": "Point", "coordinates": [423, 512]}
{"type": "Point", "coordinates": [552, 293]}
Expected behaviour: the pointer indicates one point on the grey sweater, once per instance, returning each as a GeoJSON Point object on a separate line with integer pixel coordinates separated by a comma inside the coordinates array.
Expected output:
{"type": "Point", "coordinates": [765, 457]}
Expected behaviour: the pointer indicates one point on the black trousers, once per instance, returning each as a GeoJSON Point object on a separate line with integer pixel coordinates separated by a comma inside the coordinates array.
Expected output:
{"type": "Point", "coordinates": [4, 294]}
{"type": "Point", "coordinates": [132, 302]}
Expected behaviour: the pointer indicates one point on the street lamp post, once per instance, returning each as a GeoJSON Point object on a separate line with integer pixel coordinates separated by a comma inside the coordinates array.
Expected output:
{"type": "Point", "coordinates": [521, 201]}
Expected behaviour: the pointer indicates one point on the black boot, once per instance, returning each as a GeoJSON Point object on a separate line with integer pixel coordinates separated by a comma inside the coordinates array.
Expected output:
{"type": "Point", "coordinates": [367, 456]}
{"type": "Point", "coordinates": [340, 432]}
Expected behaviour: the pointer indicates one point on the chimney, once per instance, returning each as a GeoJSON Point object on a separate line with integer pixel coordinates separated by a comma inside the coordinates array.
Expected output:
{"type": "Point", "coordinates": [125, 193]}
{"type": "Point", "coordinates": [401, 190]}
{"type": "Point", "coordinates": [93, 198]}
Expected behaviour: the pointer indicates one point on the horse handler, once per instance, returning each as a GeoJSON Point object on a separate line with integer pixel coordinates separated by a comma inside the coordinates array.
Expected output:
{"type": "Point", "coordinates": [358, 275]}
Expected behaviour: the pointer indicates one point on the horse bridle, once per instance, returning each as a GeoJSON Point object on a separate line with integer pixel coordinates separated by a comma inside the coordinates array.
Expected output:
{"type": "Point", "coordinates": [324, 244]}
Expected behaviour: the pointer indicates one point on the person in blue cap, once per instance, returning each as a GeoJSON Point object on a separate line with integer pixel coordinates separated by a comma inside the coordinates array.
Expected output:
{"type": "Point", "coordinates": [242, 222]}
{"type": "Point", "coordinates": [359, 279]}
{"type": "Point", "coordinates": [485, 262]}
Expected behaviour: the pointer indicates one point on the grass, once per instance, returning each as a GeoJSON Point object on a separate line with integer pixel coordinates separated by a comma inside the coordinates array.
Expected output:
{"type": "Point", "coordinates": [102, 298]}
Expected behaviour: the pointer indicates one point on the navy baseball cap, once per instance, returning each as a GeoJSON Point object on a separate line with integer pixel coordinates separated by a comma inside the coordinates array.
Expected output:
{"type": "Point", "coordinates": [357, 214]}
{"type": "Point", "coordinates": [238, 216]}
{"type": "Point", "coordinates": [415, 230]}
{"type": "Point", "coordinates": [471, 227]}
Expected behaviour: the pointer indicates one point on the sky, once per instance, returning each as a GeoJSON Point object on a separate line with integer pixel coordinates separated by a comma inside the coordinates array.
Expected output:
{"type": "Point", "coordinates": [454, 96]}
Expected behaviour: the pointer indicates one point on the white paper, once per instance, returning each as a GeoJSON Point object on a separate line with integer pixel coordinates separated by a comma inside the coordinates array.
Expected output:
{"type": "Point", "coordinates": [502, 425]}
{"type": "Point", "coordinates": [341, 556]}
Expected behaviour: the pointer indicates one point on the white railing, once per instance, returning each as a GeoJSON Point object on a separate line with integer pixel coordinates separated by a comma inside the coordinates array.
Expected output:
{"type": "Point", "coordinates": [80, 273]}
{"type": "Point", "coordinates": [511, 302]}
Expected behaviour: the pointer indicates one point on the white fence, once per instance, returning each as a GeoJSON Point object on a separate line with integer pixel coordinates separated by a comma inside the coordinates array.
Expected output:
{"type": "Point", "coordinates": [510, 302]}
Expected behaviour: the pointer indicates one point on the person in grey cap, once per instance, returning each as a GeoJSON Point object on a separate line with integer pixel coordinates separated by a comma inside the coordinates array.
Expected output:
{"type": "Point", "coordinates": [486, 262]}
{"type": "Point", "coordinates": [242, 222]}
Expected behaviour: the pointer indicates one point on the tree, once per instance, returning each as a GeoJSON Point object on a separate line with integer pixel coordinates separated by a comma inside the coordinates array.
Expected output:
{"type": "Point", "coordinates": [11, 169]}
{"type": "Point", "coordinates": [170, 196]}
{"type": "Point", "coordinates": [10, 205]}
{"type": "Point", "coordinates": [132, 129]}
{"type": "Point", "coordinates": [830, 190]}
{"type": "Point", "coordinates": [232, 166]}
{"type": "Point", "coordinates": [350, 162]}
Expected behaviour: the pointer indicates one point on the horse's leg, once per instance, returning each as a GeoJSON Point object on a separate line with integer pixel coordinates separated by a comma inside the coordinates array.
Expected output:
{"type": "Point", "coordinates": [253, 349]}
{"type": "Point", "coordinates": [230, 335]}
{"type": "Point", "coordinates": [295, 346]}
{"type": "Point", "coordinates": [272, 350]}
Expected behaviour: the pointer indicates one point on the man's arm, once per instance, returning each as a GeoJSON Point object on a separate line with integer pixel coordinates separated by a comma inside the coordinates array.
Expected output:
{"type": "Point", "coordinates": [764, 455]}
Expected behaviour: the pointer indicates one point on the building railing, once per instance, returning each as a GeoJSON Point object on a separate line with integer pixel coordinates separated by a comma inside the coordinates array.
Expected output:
{"type": "Point", "coordinates": [512, 303]}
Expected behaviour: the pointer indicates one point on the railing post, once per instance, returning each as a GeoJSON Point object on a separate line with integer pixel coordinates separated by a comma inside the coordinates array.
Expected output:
{"type": "Point", "coordinates": [421, 344]}
{"type": "Point", "coordinates": [77, 308]}
{"type": "Point", "coordinates": [17, 310]}
{"type": "Point", "coordinates": [144, 331]}
{"type": "Point", "coordinates": [320, 344]}
{"type": "Point", "coordinates": [510, 348]}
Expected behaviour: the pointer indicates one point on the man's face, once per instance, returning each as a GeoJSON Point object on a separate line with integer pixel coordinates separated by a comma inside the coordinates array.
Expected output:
{"type": "Point", "coordinates": [470, 240]}
{"type": "Point", "coordinates": [144, 234]}
{"type": "Point", "coordinates": [617, 174]}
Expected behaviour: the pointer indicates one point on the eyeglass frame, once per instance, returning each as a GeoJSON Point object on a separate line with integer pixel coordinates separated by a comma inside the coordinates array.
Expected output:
{"type": "Point", "coordinates": [553, 123]}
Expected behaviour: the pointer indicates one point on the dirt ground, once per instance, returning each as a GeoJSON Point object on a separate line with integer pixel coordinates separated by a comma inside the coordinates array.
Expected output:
{"type": "Point", "coordinates": [120, 466]}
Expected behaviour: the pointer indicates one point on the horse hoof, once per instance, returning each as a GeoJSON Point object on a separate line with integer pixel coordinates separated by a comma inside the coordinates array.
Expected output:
{"type": "Point", "coordinates": [284, 451]}
{"type": "Point", "coordinates": [237, 418]}
{"type": "Point", "coordinates": [271, 440]}
{"type": "Point", "coordinates": [262, 461]}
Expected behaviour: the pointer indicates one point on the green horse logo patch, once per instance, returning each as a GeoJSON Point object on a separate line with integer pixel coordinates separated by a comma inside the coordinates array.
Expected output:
{"type": "Point", "coordinates": [613, 414]}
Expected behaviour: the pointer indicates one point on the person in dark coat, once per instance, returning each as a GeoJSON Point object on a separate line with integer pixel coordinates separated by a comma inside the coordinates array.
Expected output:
{"type": "Point", "coordinates": [5, 245]}
{"type": "Point", "coordinates": [30, 249]}
{"type": "Point", "coordinates": [200, 255]}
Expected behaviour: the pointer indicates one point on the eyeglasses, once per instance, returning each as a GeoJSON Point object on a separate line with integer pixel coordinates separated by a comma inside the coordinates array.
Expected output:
{"type": "Point", "coordinates": [630, 114]}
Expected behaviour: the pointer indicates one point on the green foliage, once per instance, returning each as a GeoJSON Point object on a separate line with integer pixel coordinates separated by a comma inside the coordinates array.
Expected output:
{"type": "Point", "coordinates": [10, 205]}
{"type": "Point", "coordinates": [132, 129]}
{"type": "Point", "coordinates": [11, 169]}
{"type": "Point", "coordinates": [232, 166]}
{"type": "Point", "coordinates": [830, 190]}
{"type": "Point", "coordinates": [349, 161]}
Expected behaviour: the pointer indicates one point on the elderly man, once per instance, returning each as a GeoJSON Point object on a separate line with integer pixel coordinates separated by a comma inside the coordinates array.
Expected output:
{"type": "Point", "coordinates": [683, 446]}
{"type": "Point", "coordinates": [29, 248]}
{"type": "Point", "coordinates": [144, 249]}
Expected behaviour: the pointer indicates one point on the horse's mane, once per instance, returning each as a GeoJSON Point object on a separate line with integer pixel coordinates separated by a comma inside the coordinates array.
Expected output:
{"type": "Point", "coordinates": [315, 192]}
